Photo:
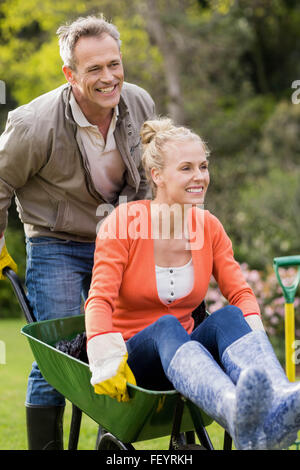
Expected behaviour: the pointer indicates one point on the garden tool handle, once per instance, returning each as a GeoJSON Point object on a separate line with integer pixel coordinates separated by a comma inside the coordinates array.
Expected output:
{"type": "Point", "coordinates": [289, 319]}
{"type": "Point", "coordinates": [284, 262]}
{"type": "Point", "coordinates": [293, 260]}
{"type": "Point", "coordinates": [21, 296]}
{"type": "Point", "coordinates": [289, 333]}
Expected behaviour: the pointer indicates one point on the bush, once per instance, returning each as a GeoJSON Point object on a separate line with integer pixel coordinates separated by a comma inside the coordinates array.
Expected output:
{"type": "Point", "coordinates": [270, 299]}
{"type": "Point", "coordinates": [267, 219]}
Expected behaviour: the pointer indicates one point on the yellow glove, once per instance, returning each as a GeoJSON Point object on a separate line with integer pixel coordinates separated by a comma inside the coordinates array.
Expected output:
{"type": "Point", "coordinates": [116, 387]}
{"type": "Point", "coordinates": [5, 259]}
{"type": "Point", "coordinates": [107, 354]}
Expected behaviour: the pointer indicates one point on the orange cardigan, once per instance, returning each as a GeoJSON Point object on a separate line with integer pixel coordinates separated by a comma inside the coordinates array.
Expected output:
{"type": "Point", "coordinates": [123, 295]}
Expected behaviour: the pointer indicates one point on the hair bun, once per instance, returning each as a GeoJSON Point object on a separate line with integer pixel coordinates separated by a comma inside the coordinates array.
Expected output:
{"type": "Point", "coordinates": [151, 129]}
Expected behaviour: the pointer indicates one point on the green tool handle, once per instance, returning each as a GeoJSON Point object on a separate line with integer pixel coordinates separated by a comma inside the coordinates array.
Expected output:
{"type": "Point", "coordinates": [289, 292]}
{"type": "Point", "coordinates": [285, 261]}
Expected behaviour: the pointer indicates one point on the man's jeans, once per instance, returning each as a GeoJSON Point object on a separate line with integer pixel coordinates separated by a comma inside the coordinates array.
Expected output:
{"type": "Point", "coordinates": [58, 277]}
{"type": "Point", "coordinates": [151, 350]}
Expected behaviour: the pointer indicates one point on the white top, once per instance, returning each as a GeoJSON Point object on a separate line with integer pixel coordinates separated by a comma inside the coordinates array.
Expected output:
{"type": "Point", "coordinates": [106, 164]}
{"type": "Point", "coordinates": [174, 282]}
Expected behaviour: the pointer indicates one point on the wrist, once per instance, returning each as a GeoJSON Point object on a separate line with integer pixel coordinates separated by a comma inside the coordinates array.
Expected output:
{"type": "Point", "coordinates": [2, 242]}
{"type": "Point", "coordinates": [254, 321]}
{"type": "Point", "coordinates": [105, 353]}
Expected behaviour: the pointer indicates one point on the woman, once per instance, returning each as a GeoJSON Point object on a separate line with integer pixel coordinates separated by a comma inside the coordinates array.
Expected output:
{"type": "Point", "coordinates": [153, 263]}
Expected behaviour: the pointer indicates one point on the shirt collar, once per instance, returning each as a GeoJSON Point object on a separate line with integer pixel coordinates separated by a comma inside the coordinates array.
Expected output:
{"type": "Point", "coordinates": [80, 118]}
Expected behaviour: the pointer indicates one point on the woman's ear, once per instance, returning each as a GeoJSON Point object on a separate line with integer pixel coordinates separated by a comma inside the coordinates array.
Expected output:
{"type": "Point", "coordinates": [156, 176]}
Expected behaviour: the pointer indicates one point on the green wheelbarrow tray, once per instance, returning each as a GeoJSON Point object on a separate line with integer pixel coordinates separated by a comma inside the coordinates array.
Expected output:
{"type": "Point", "coordinates": [148, 414]}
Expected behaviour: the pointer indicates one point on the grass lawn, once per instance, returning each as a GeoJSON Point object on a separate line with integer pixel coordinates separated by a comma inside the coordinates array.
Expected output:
{"type": "Point", "coordinates": [13, 382]}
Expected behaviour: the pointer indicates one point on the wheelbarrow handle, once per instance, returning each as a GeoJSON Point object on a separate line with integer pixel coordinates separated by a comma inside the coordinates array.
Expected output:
{"type": "Point", "coordinates": [284, 262]}
{"type": "Point", "coordinates": [21, 296]}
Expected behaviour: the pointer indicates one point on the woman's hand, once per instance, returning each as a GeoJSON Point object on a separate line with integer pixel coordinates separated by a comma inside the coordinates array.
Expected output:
{"type": "Point", "coordinates": [107, 354]}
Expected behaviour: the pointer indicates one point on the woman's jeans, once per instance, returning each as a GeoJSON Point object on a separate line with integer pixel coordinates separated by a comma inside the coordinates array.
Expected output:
{"type": "Point", "coordinates": [58, 277]}
{"type": "Point", "coordinates": [151, 350]}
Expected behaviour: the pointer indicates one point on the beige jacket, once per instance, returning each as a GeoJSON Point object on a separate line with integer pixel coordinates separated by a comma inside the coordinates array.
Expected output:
{"type": "Point", "coordinates": [42, 164]}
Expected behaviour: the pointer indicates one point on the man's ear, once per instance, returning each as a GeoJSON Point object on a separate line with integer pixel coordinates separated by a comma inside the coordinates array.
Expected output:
{"type": "Point", "coordinates": [68, 73]}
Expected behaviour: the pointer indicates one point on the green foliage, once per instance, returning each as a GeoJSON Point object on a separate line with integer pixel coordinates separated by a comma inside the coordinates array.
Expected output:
{"type": "Point", "coordinates": [265, 221]}
{"type": "Point", "coordinates": [274, 198]}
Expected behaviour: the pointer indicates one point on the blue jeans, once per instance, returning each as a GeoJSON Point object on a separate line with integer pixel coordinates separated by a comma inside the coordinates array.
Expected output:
{"type": "Point", "coordinates": [58, 276]}
{"type": "Point", "coordinates": [151, 350]}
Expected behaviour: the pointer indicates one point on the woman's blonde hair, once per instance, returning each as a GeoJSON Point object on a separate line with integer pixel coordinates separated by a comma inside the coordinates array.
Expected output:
{"type": "Point", "coordinates": [155, 134]}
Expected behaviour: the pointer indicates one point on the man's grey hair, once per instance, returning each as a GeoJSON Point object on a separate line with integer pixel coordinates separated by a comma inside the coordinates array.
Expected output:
{"type": "Point", "coordinates": [83, 27]}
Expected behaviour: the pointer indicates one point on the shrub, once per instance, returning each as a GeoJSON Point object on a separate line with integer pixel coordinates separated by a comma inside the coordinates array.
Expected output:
{"type": "Point", "coordinates": [270, 298]}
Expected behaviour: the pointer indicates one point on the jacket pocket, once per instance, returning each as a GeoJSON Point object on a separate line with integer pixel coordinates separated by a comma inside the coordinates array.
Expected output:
{"type": "Point", "coordinates": [60, 221]}
{"type": "Point", "coordinates": [76, 220]}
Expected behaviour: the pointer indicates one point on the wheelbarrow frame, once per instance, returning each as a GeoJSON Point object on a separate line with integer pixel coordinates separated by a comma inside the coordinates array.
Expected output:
{"type": "Point", "coordinates": [186, 422]}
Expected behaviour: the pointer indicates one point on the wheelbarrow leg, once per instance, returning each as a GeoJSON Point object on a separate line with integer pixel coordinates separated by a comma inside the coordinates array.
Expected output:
{"type": "Point", "coordinates": [187, 441]}
{"type": "Point", "coordinates": [227, 445]}
{"type": "Point", "coordinates": [177, 439]}
{"type": "Point", "coordinates": [100, 433]}
{"type": "Point", "coordinates": [199, 427]}
{"type": "Point", "coordinates": [74, 428]}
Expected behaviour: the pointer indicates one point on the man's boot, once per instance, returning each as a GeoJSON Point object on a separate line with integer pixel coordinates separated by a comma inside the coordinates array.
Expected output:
{"type": "Point", "coordinates": [45, 427]}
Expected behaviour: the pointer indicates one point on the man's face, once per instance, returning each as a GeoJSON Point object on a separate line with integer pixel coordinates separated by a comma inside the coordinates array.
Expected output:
{"type": "Point", "coordinates": [99, 75]}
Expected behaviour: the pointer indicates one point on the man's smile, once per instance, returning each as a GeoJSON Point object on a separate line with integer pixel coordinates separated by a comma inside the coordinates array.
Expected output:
{"type": "Point", "coordinates": [106, 90]}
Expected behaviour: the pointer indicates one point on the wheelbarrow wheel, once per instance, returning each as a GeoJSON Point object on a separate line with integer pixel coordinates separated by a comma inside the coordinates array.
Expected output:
{"type": "Point", "coordinates": [108, 441]}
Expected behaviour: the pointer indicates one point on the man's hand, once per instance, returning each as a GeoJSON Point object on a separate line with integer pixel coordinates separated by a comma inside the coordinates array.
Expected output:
{"type": "Point", "coordinates": [5, 259]}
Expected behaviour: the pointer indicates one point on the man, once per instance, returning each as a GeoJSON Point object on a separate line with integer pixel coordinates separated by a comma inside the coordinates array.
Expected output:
{"type": "Point", "coordinates": [62, 156]}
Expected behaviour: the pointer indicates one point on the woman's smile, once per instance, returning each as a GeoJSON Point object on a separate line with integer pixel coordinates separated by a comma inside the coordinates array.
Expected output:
{"type": "Point", "coordinates": [184, 178]}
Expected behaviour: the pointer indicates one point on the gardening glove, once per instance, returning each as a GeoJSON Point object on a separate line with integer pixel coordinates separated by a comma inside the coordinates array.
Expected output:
{"type": "Point", "coordinates": [5, 259]}
{"type": "Point", "coordinates": [107, 354]}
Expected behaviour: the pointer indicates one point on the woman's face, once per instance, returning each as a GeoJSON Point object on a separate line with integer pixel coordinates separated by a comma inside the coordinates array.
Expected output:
{"type": "Point", "coordinates": [185, 177]}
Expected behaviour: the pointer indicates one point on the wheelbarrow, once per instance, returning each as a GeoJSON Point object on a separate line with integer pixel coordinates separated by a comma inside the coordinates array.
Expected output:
{"type": "Point", "coordinates": [148, 414]}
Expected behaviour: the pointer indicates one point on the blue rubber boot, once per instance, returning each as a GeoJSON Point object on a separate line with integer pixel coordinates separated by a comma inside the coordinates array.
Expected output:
{"type": "Point", "coordinates": [283, 419]}
{"type": "Point", "coordinates": [240, 409]}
